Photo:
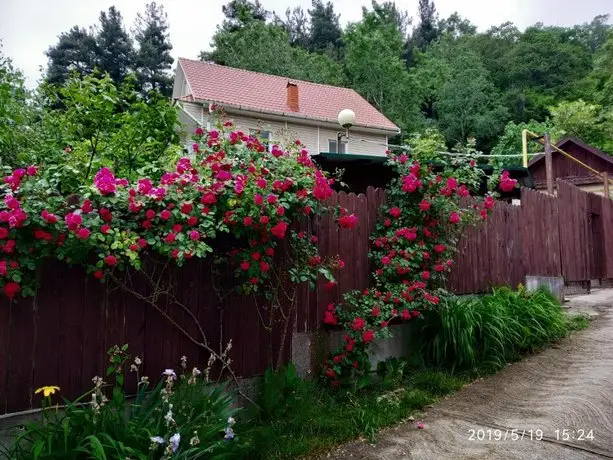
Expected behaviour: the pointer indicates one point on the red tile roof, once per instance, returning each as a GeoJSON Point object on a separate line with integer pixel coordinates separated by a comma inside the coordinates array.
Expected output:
{"type": "Point", "coordinates": [268, 93]}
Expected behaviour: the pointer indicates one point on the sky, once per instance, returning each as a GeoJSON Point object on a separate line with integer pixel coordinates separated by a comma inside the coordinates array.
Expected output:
{"type": "Point", "coordinates": [29, 27]}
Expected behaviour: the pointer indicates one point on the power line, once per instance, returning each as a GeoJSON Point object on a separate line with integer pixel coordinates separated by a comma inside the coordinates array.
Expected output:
{"type": "Point", "coordinates": [455, 154]}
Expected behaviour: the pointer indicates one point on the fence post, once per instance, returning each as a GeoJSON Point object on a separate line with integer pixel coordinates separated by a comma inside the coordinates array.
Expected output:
{"type": "Point", "coordinates": [605, 178]}
{"type": "Point", "coordinates": [548, 164]}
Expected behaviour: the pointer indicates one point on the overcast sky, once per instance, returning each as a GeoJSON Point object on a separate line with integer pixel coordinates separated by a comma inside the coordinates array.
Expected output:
{"type": "Point", "coordinates": [29, 27]}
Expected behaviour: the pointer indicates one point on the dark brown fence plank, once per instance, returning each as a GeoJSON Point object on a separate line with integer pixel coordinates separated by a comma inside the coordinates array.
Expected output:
{"type": "Point", "coordinates": [19, 385]}
{"type": "Point", "coordinates": [5, 351]}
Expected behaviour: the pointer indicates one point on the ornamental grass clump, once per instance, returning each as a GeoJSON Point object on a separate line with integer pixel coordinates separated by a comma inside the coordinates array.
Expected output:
{"type": "Point", "coordinates": [179, 415]}
{"type": "Point", "coordinates": [489, 331]}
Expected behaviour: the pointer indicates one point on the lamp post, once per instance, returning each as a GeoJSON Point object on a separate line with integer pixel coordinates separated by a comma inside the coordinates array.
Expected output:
{"type": "Point", "coordinates": [346, 118]}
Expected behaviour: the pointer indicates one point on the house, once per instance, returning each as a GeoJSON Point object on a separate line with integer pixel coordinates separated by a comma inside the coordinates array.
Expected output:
{"type": "Point", "coordinates": [571, 171]}
{"type": "Point", "coordinates": [283, 109]}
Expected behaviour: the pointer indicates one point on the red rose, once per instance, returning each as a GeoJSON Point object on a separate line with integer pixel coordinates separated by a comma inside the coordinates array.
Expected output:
{"type": "Point", "coordinates": [177, 228]}
{"type": "Point", "coordinates": [330, 318]}
{"type": "Point", "coordinates": [165, 214]}
{"type": "Point", "coordinates": [150, 214]}
{"type": "Point", "coordinates": [245, 265]}
{"type": "Point", "coordinates": [280, 211]}
{"type": "Point", "coordinates": [170, 238]}
{"type": "Point", "coordinates": [105, 228]}
{"type": "Point", "coordinates": [83, 234]}
{"type": "Point", "coordinates": [99, 274]}
{"type": "Point", "coordinates": [247, 221]}
{"type": "Point", "coordinates": [272, 199]}
{"type": "Point", "coordinates": [425, 275]}
{"type": "Point", "coordinates": [186, 208]}
{"type": "Point", "coordinates": [193, 220]}
{"type": "Point", "coordinates": [194, 235]}
{"type": "Point", "coordinates": [349, 221]}
{"type": "Point", "coordinates": [86, 207]}
{"type": "Point", "coordinates": [264, 220]}
{"type": "Point", "coordinates": [368, 336]}
{"type": "Point", "coordinates": [330, 285]}
{"type": "Point", "coordinates": [11, 288]}
{"type": "Point", "coordinates": [454, 218]}
{"type": "Point", "coordinates": [264, 266]}
{"type": "Point", "coordinates": [358, 324]}
{"type": "Point", "coordinates": [279, 230]}
{"type": "Point", "coordinates": [270, 252]}
{"type": "Point", "coordinates": [376, 311]}
{"type": "Point", "coordinates": [110, 260]}
{"type": "Point", "coordinates": [142, 243]}
{"type": "Point", "coordinates": [405, 315]}
{"type": "Point", "coordinates": [395, 212]}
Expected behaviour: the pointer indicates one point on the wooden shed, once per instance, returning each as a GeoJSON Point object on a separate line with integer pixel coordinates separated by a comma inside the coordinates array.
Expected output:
{"type": "Point", "coordinates": [570, 171]}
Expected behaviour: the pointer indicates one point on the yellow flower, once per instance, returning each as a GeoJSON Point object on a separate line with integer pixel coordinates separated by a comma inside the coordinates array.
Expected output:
{"type": "Point", "coordinates": [47, 391]}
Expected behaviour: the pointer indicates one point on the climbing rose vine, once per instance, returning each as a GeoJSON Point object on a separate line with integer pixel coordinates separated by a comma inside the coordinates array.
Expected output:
{"type": "Point", "coordinates": [412, 251]}
{"type": "Point", "coordinates": [231, 185]}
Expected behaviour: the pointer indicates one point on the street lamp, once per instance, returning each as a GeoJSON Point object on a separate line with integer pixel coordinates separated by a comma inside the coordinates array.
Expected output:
{"type": "Point", "coordinates": [346, 118]}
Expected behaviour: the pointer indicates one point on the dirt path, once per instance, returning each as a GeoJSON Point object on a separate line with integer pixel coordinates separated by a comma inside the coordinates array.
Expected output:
{"type": "Point", "coordinates": [566, 387]}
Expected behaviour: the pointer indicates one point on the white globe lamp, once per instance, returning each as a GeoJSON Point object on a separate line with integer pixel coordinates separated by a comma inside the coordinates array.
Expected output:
{"type": "Point", "coordinates": [346, 118]}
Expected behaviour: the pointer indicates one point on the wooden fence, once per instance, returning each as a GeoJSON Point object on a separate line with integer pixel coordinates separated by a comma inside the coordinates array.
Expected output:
{"type": "Point", "coordinates": [60, 337]}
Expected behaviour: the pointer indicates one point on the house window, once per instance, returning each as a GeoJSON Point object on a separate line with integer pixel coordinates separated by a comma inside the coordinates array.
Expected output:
{"type": "Point", "coordinates": [333, 146]}
{"type": "Point", "coordinates": [264, 137]}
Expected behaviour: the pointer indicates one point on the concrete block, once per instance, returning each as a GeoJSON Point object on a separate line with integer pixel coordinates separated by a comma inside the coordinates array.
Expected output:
{"type": "Point", "coordinates": [554, 284]}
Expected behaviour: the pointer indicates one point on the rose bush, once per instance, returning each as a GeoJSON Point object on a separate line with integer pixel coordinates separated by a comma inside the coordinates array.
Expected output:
{"type": "Point", "coordinates": [230, 186]}
{"type": "Point", "coordinates": [412, 252]}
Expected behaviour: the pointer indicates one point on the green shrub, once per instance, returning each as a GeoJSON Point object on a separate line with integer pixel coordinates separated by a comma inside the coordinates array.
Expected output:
{"type": "Point", "coordinates": [180, 417]}
{"type": "Point", "coordinates": [486, 332]}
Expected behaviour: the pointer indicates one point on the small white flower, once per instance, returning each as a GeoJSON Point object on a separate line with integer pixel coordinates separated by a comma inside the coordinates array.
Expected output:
{"type": "Point", "coordinates": [170, 373]}
{"type": "Point", "coordinates": [138, 361]}
{"type": "Point", "coordinates": [174, 441]}
{"type": "Point", "coordinates": [157, 439]}
{"type": "Point", "coordinates": [229, 434]}
{"type": "Point", "coordinates": [231, 421]}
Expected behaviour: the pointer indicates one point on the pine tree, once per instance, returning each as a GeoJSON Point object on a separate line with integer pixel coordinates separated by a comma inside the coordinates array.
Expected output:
{"type": "Point", "coordinates": [153, 59]}
{"type": "Point", "coordinates": [75, 51]}
{"type": "Point", "coordinates": [427, 30]}
{"type": "Point", "coordinates": [325, 28]}
{"type": "Point", "coordinates": [116, 52]}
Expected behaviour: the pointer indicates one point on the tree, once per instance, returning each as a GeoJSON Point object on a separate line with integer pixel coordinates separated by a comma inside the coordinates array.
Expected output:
{"type": "Point", "coordinates": [583, 120]}
{"type": "Point", "coordinates": [373, 59]}
{"type": "Point", "coordinates": [546, 66]}
{"type": "Point", "coordinates": [297, 26]}
{"type": "Point", "coordinates": [115, 50]}
{"type": "Point", "coordinates": [426, 144]}
{"type": "Point", "coordinates": [426, 31]}
{"type": "Point", "coordinates": [468, 104]}
{"type": "Point", "coordinates": [153, 59]}
{"type": "Point", "coordinates": [602, 75]}
{"type": "Point", "coordinates": [76, 51]}
{"type": "Point", "coordinates": [510, 141]}
{"type": "Point", "coordinates": [456, 90]}
{"type": "Point", "coordinates": [239, 13]}
{"type": "Point", "coordinates": [266, 48]}
{"type": "Point", "coordinates": [594, 34]}
{"type": "Point", "coordinates": [455, 26]}
{"type": "Point", "coordinates": [15, 114]}
{"type": "Point", "coordinates": [325, 32]}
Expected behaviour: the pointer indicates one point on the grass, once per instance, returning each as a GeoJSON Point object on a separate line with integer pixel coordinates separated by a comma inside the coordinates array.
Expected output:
{"type": "Point", "coordinates": [313, 420]}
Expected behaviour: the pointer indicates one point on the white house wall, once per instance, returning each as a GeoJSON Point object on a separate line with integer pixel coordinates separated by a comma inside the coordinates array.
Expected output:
{"type": "Point", "coordinates": [314, 138]}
